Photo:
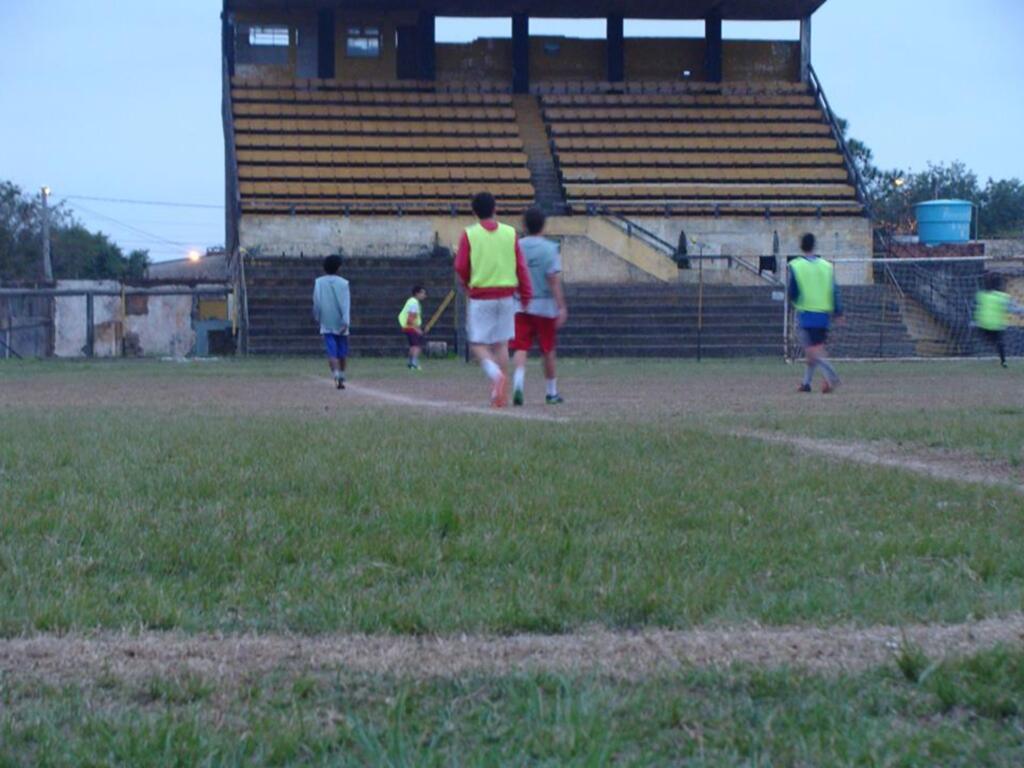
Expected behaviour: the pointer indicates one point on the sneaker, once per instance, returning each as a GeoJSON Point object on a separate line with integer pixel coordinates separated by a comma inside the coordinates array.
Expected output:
{"type": "Point", "coordinates": [499, 392]}
{"type": "Point", "coordinates": [1004, 364]}
{"type": "Point", "coordinates": [517, 397]}
{"type": "Point", "coordinates": [804, 388]}
{"type": "Point", "coordinates": [554, 400]}
{"type": "Point", "coordinates": [828, 388]}
{"type": "Point", "coordinates": [339, 383]}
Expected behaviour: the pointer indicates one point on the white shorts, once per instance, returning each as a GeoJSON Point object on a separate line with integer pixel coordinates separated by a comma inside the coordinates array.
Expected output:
{"type": "Point", "coordinates": [491, 321]}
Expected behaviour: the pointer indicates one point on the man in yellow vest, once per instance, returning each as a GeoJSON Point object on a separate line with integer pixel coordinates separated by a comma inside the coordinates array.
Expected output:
{"type": "Point", "coordinates": [492, 271]}
{"type": "Point", "coordinates": [813, 291]}
{"type": "Point", "coordinates": [992, 308]}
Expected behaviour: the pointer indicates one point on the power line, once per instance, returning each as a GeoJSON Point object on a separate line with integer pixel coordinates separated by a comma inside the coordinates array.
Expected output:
{"type": "Point", "coordinates": [142, 232]}
{"type": "Point", "coordinates": [126, 201]}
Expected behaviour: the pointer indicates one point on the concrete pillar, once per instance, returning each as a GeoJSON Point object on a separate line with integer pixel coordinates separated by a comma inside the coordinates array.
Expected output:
{"type": "Point", "coordinates": [227, 40]}
{"type": "Point", "coordinates": [713, 47]}
{"type": "Point", "coordinates": [616, 49]}
{"type": "Point", "coordinates": [427, 25]}
{"type": "Point", "coordinates": [521, 53]}
{"type": "Point", "coordinates": [325, 42]}
{"type": "Point", "coordinates": [805, 49]}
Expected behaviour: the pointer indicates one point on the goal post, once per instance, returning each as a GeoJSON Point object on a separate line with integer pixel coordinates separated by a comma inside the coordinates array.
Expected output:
{"type": "Point", "coordinates": [914, 308]}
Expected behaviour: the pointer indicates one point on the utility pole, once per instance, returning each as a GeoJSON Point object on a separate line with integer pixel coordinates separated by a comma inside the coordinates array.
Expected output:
{"type": "Point", "coordinates": [47, 264]}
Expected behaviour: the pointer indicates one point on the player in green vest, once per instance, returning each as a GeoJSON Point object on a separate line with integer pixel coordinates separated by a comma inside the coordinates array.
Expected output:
{"type": "Point", "coordinates": [490, 266]}
{"type": "Point", "coordinates": [411, 321]}
{"type": "Point", "coordinates": [813, 291]}
{"type": "Point", "coordinates": [992, 309]}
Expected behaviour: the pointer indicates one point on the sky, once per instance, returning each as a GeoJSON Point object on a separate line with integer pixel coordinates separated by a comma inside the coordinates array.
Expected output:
{"type": "Point", "coordinates": [106, 101]}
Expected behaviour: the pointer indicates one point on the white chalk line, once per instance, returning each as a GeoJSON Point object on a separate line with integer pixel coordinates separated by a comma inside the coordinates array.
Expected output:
{"type": "Point", "coordinates": [862, 453]}
{"type": "Point", "coordinates": [450, 406]}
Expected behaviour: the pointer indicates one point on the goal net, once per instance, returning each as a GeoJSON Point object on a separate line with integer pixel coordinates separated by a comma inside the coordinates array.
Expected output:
{"type": "Point", "coordinates": [913, 308]}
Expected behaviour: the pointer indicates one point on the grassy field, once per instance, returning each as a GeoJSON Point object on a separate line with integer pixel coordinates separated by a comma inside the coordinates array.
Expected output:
{"type": "Point", "coordinates": [250, 497]}
{"type": "Point", "coordinates": [951, 713]}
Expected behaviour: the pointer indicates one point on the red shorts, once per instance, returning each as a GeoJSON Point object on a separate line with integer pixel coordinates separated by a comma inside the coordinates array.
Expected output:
{"type": "Point", "coordinates": [531, 327]}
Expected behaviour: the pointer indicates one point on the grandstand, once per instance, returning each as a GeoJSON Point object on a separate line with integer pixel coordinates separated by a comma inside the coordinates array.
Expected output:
{"type": "Point", "coordinates": [349, 128]}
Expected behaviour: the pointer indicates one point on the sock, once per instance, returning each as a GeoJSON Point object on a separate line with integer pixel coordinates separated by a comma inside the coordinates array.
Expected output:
{"type": "Point", "coordinates": [519, 379]}
{"type": "Point", "coordinates": [809, 374]}
{"type": "Point", "coordinates": [1002, 351]}
{"type": "Point", "coordinates": [338, 375]}
{"type": "Point", "coordinates": [491, 369]}
{"type": "Point", "coordinates": [828, 370]}
{"type": "Point", "coordinates": [552, 387]}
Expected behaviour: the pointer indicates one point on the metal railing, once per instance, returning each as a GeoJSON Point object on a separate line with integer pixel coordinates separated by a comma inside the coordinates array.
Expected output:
{"type": "Point", "coordinates": [819, 94]}
{"type": "Point", "coordinates": [632, 229]}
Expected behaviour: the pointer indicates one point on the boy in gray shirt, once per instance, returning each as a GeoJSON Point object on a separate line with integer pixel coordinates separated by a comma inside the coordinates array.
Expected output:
{"type": "Point", "coordinates": [331, 309]}
{"type": "Point", "coordinates": [547, 311]}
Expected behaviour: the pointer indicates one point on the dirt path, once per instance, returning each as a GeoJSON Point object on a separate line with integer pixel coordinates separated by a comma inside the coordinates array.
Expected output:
{"type": "Point", "coordinates": [941, 466]}
{"type": "Point", "coordinates": [86, 658]}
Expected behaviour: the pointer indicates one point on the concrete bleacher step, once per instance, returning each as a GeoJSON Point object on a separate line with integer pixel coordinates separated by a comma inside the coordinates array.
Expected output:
{"type": "Point", "coordinates": [634, 320]}
{"type": "Point", "coordinates": [279, 298]}
{"type": "Point", "coordinates": [539, 158]}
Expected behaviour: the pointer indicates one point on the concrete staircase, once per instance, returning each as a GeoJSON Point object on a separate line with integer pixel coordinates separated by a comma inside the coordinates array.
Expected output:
{"type": "Point", "coordinates": [606, 320]}
{"type": "Point", "coordinates": [280, 294]}
{"type": "Point", "coordinates": [537, 145]}
{"type": "Point", "coordinates": [659, 320]}
{"type": "Point", "coordinates": [875, 327]}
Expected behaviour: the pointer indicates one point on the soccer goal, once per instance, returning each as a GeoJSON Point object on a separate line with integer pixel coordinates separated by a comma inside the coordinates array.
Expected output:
{"type": "Point", "coordinates": [915, 308]}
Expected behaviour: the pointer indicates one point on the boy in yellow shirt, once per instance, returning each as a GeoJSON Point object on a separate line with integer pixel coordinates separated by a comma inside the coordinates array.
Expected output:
{"type": "Point", "coordinates": [411, 320]}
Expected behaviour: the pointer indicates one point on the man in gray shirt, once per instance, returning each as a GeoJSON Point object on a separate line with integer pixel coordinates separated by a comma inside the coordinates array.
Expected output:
{"type": "Point", "coordinates": [547, 308]}
{"type": "Point", "coordinates": [331, 304]}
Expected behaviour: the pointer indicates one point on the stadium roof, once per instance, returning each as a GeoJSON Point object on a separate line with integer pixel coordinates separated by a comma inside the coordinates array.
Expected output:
{"type": "Point", "coordinates": [749, 10]}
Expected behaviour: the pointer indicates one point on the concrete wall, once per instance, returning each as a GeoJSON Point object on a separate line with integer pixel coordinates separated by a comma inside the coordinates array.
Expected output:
{"type": "Point", "coordinates": [586, 261]}
{"type": "Point", "coordinates": [567, 58]}
{"type": "Point", "coordinates": [1009, 248]}
{"type": "Point", "coordinates": [383, 68]}
{"type": "Point", "coordinates": [664, 59]}
{"type": "Point", "coordinates": [485, 59]}
{"type": "Point", "coordinates": [69, 318]}
{"type": "Point", "coordinates": [752, 236]}
{"type": "Point", "coordinates": [761, 60]}
{"type": "Point", "coordinates": [377, 236]}
{"type": "Point", "coordinates": [297, 60]}
{"type": "Point", "coordinates": [749, 237]}
{"type": "Point", "coordinates": [160, 326]}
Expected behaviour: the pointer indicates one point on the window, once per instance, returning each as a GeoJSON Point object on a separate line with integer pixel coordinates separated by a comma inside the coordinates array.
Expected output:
{"type": "Point", "coordinates": [275, 37]}
{"type": "Point", "coordinates": [363, 43]}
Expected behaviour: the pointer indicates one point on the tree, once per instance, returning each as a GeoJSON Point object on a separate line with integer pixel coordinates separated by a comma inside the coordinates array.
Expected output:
{"type": "Point", "coordinates": [892, 194]}
{"type": "Point", "coordinates": [77, 253]}
{"type": "Point", "coordinates": [1001, 210]}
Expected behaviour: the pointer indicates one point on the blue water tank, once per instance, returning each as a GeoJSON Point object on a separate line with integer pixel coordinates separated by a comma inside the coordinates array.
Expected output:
{"type": "Point", "coordinates": [943, 221]}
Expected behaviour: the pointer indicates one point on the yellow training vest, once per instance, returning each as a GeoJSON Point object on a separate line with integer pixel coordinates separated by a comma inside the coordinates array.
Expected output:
{"type": "Point", "coordinates": [492, 257]}
{"type": "Point", "coordinates": [412, 305]}
{"type": "Point", "coordinates": [992, 310]}
{"type": "Point", "coordinates": [815, 280]}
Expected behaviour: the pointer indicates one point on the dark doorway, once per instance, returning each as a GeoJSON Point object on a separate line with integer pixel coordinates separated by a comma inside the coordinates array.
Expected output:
{"type": "Point", "coordinates": [408, 53]}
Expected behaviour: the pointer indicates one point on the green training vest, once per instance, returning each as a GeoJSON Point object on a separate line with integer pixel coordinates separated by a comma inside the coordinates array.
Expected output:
{"type": "Point", "coordinates": [492, 257]}
{"type": "Point", "coordinates": [816, 282]}
{"type": "Point", "coordinates": [412, 305]}
{"type": "Point", "coordinates": [991, 310]}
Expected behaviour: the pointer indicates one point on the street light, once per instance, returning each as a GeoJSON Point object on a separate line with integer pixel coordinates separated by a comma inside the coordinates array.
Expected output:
{"type": "Point", "coordinates": [194, 256]}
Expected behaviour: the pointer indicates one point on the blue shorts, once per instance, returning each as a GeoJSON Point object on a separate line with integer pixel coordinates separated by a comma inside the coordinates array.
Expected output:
{"type": "Point", "coordinates": [336, 345]}
{"type": "Point", "coordinates": [813, 337]}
